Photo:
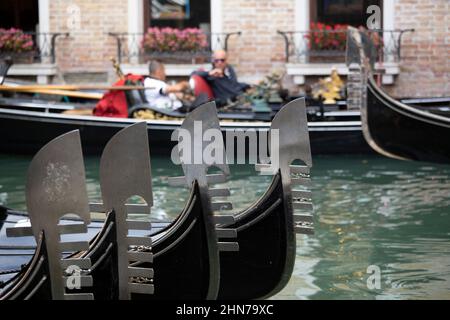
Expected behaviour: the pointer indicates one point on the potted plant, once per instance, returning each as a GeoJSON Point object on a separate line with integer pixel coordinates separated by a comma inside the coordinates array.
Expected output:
{"type": "Point", "coordinates": [175, 45]}
{"type": "Point", "coordinates": [16, 44]}
{"type": "Point", "coordinates": [326, 43]}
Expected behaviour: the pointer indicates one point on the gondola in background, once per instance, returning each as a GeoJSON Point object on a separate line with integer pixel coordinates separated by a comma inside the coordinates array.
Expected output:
{"type": "Point", "coordinates": [391, 127]}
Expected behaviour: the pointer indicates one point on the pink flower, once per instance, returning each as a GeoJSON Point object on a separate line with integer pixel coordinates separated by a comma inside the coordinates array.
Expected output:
{"type": "Point", "coordinates": [14, 40]}
{"type": "Point", "coordinates": [172, 40]}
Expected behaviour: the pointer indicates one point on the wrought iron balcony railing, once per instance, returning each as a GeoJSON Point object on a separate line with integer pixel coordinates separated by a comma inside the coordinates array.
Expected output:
{"type": "Point", "coordinates": [43, 49]}
{"type": "Point", "coordinates": [130, 49]}
{"type": "Point", "coordinates": [330, 45]}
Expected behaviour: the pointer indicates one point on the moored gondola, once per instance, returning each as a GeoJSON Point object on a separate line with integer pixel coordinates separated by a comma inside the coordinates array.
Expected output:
{"type": "Point", "coordinates": [184, 257]}
{"type": "Point", "coordinates": [258, 271]}
{"type": "Point", "coordinates": [186, 253]}
{"type": "Point", "coordinates": [262, 270]}
{"type": "Point", "coordinates": [390, 127]}
{"type": "Point", "coordinates": [266, 230]}
{"type": "Point", "coordinates": [28, 124]}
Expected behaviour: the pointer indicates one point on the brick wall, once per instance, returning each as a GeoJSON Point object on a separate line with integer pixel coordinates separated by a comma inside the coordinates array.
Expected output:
{"type": "Point", "coordinates": [89, 49]}
{"type": "Point", "coordinates": [259, 50]}
{"type": "Point", "coordinates": [425, 68]}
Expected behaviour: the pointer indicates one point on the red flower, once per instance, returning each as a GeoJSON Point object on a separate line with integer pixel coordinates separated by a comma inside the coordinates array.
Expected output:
{"type": "Point", "coordinates": [327, 37]}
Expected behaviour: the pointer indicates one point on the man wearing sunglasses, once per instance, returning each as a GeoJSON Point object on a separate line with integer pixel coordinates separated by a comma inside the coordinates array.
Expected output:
{"type": "Point", "coordinates": [222, 79]}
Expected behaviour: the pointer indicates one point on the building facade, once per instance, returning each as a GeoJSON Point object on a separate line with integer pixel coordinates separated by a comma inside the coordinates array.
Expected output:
{"type": "Point", "coordinates": [91, 32]}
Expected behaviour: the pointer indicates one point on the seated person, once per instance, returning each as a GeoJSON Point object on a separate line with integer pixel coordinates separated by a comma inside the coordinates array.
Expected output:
{"type": "Point", "coordinates": [160, 94]}
{"type": "Point", "coordinates": [164, 96]}
{"type": "Point", "coordinates": [222, 79]}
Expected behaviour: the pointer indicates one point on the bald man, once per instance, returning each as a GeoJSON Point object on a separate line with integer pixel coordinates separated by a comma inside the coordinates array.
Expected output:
{"type": "Point", "coordinates": [222, 79]}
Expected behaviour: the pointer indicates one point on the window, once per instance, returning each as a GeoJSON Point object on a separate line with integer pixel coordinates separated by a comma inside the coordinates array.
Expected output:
{"type": "Point", "coordinates": [352, 12]}
{"type": "Point", "coordinates": [22, 14]}
{"type": "Point", "coordinates": [177, 14]}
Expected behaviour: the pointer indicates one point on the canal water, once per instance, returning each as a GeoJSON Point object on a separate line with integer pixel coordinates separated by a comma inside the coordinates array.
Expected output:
{"type": "Point", "coordinates": [382, 225]}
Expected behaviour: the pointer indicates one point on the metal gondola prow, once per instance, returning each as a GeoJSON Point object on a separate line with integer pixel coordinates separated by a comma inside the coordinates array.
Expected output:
{"type": "Point", "coordinates": [202, 120]}
{"type": "Point", "coordinates": [56, 187]}
{"type": "Point", "coordinates": [125, 172]}
{"type": "Point", "coordinates": [360, 57]}
{"type": "Point", "coordinates": [290, 126]}
{"type": "Point", "coordinates": [195, 168]}
{"type": "Point", "coordinates": [195, 124]}
{"type": "Point", "coordinates": [290, 129]}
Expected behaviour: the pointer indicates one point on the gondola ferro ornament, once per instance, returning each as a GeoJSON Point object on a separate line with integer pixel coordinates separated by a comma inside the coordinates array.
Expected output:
{"type": "Point", "coordinates": [55, 187]}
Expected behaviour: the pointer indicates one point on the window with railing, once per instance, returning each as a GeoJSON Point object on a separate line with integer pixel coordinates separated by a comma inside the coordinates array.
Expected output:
{"type": "Point", "coordinates": [328, 45]}
{"type": "Point", "coordinates": [28, 47]}
{"type": "Point", "coordinates": [169, 45]}
{"type": "Point", "coordinates": [326, 39]}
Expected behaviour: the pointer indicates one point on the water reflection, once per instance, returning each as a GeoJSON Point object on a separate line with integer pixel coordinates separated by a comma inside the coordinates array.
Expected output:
{"type": "Point", "coordinates": [375, 211]}
{"type": "Point", "coordinates": [368, 211]}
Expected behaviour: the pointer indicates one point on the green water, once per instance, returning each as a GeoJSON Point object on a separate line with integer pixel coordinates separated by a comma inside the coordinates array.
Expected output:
{"type": "Point", "coordinates": [369, 211]}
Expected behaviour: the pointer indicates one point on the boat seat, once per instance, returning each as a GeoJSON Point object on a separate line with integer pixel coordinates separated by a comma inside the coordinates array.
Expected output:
{"type": "Point", "coordinates": [201, 86]}
{"type": "Point", "coordinates": [135, 97]}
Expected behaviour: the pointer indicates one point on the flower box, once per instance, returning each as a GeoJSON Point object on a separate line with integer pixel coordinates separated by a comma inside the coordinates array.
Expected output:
{"type": "Point", "coordinates": [19, 58]}
{"type": "Point", "coordinates": [170, 45]}
{"type": "Point", "coordinates": [176, 57]}
{"type": "Point", "coordinates": [16, 44]}
{"type": "Point", "coordinates": [327, 43]}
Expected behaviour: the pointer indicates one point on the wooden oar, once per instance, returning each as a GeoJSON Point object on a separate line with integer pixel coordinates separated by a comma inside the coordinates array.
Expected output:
{"type": "Point", "coordinates": [69, 87]}
{"type": "Point", "coordinates": [67, 93]}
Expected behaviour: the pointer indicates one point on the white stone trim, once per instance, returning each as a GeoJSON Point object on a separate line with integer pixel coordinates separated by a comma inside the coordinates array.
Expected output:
{"type": "Point", "coordinates": [44, 21]}
{"type": "Point", "coordinates": [299, 71]}
{"type": "Point", "coordinates": [216, 20]}
{"type": "Point", "coordinates": [135, 24]}
{"type": "Point", "coordinates": [33, 69]}
{"type": "Point", "coordinates": [44, 15]}
{"type": "Point", "coordinates": [302, 22]}
{"type": "Point", "coordinates": [388, 23]}
{"type": "Point", "coordinates": [42, 71]}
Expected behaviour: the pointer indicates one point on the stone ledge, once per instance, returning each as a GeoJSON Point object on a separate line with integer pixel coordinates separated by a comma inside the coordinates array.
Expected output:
{"type": "Point", "coordinates": [299, 71]}
{"type": "Point", "coordinates": [33, 69]}
{"type": "Point", "coordinates": [42, 71]}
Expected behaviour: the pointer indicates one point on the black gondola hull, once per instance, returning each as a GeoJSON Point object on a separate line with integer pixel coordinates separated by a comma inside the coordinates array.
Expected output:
{"type": "Point", "coordinates": [258, 268]}
{"type": "Point", "coordinates": [398, 130]}
{"type": "Point", "coordinates": [25, 132]}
